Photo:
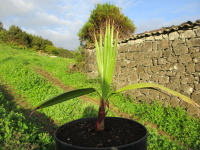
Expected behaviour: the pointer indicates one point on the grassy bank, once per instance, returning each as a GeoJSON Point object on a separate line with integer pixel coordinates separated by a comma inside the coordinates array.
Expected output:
{"type": "Point", "coordinates": [18, 72]}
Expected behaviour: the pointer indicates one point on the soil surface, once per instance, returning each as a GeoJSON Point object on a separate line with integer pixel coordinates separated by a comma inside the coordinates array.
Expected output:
{"type": "Point", "coordinates": [117, 132]}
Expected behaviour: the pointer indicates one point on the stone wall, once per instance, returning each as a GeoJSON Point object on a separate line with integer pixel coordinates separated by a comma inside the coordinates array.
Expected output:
{"type": "Point", "coordinates": [169, 56]}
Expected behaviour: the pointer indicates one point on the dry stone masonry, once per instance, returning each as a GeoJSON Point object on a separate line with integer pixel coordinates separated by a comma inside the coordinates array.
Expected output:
{"type": "Point", "coordinates": [169, 56]}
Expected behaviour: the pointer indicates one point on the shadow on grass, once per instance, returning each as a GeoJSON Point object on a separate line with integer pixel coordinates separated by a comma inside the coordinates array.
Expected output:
{"type": "Point", "coordinates": [40, 120]}
{"type": "Point", "coordinates": [15, 102]}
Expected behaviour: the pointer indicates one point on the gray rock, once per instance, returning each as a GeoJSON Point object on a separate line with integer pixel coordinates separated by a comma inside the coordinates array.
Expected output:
{"type": "Point", "coordinates": [155, 54]}
{"type": "Point", "coordinates": [123, 48]}
{"type": "Point", "coordinates": [155, 69]}
{"type": "Point", "coordinates": [72, 66]}
{"type": "Point", "coordinates": [190, 68]}
{"type": "Point", "coordinates": [174, 102]}
{"type": "Point", "coordinates": [173, 35]}
{"type": "Point", "coordinates": [161, 61]}
{"type": "Point", "coordinates": [197, 31]}
{"type": "Point", "coordinates": [163, 79]}
{"type": "Point", "coordinates": [179, 67]}
{"type": "Point", "coordinates": [186, 88]}
{"type": "Point", "coordinates": [144, 76]}
{"type": "Point", "coordinates": [180, 50]}
{"type": "Point", "coordinates": [184, 58]}
{"type": "Point", "coordinates": [187, 34]}
{"type": "Point", "coordinates": [197, 67]}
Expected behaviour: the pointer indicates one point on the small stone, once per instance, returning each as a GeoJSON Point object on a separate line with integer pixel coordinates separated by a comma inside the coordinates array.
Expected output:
{"type": "Point", "coordinates": [138, 56]}
{"type": "Point", "coordinates": [172, 59]}
{"type": "Point", "coordinates": [187, 34]}
{"type": "Point", "coordinates": [139, 69]}
{"type": "Point", "coordinates": [155, 62]}
{"type": "Point", "coordinates": [175, 80]}
{"type": "Point", "coordinates": [167, 66]}
{"type": "Point", "coordinates": [144, 76]}
{"type": "Point", "coordinates": [138, 41]}
{"type": "Point", "coordinates": [149, 38]}
{"type": "Point", "coordinates": [174, 102]}
{"type": "Point", "coordinates": [179, 67]}
{"type": "Point", "coordinates": [196, 60]}
{"type": "Point", "coordinates": [163, 79]}
{"type": "Point", "coordinates": [158, 37]}
{"type": "Point", "coordinates": [155, 54]}
{"type": "Point", "coordinates": [197, 87]}
{"type": "Point", "coordinates": [190, 68]}
{"type": "Point", "coordinates": [177, 42]}
{"type": "Point", "coordinates": [72, 66]}
{"type": "Point", "coordinates": [167, 52]}
{"type": "Point", "coordinates": [165, 36]}
{"type": "Point", "coordinates": [180, 50]}
{"type": "Point", "coordinates": [197, 67]}
{"type": "Point", "coordinates": [129, 55]}
{"type": "Point", "coordinates": [161, 61]}
{"type": "Point", "coordinates": [186, 88]}
{"type": "Point", "coordinates": [133, 78]}
{"type": "Point", "coordinates": [162, 44]}
{"type": "Point", "coordinates": [123, 48]}
{"type": "Point", "coordinates": [197, 31]}
{"type": "Point", "coordinates": [155, 69]}
{"type": "Point", "coordinates": [184, 58]}
{"type": "Point", "coordinates": [173, 35]}
{"type": "Point", "coordinates": [154, 46]}
{"type": "Point", "coordinates": [193, 42]}
{"type": "Point", "coordinates": [183, 80]}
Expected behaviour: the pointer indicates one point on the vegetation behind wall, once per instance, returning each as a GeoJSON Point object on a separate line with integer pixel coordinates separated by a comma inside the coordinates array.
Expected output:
{"type": "Point", "coordinates": [97, 21]}
{"type": "Point", "coordinates": [16, 37]}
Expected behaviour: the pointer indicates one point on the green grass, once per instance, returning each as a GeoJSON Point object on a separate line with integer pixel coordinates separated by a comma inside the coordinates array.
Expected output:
{"type": "Point", "coordinates": [17, 71]}
{"type": "Point", "coordinates": [16, 132]}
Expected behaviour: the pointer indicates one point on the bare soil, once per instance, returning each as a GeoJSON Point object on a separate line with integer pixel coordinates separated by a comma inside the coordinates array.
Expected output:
{"type": "Point", "coordinates": [117, 132]}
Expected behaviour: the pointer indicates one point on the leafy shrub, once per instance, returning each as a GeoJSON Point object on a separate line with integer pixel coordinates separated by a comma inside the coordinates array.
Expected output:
{"type": "Point", "coordinates": [65, 53]}
{"type": "Point", "coordinates": [79, 55]}
{"type": "Point", "coordinates": [98, 18]}
{"type": "Point", "coordinates": [16, 36]}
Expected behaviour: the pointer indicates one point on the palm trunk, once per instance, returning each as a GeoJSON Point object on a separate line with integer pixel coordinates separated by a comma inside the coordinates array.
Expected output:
{"type": "Point", "coordinates": [101, 115]}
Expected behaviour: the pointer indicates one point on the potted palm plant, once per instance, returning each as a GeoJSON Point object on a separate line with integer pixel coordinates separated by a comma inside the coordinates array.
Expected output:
{"type": "Point", "coordinates": [90, 133]}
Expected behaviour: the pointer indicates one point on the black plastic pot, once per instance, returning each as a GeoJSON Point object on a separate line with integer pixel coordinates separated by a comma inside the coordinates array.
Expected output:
{"type": "Point", "coordinates": [141, 144]}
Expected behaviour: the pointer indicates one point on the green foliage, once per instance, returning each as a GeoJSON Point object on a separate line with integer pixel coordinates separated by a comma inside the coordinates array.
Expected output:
{"type": "Point", "coordinates": [65, 53]}
{"type": "Point", "coordinates": [19, 133]}
{"type": "Point", "coordinates": [1, 25]}
{"type": "Point", "coordinates": [16, 35]}
{"type": "Point", "coordinates": [50, 49]}
{"type": "Point", "coordinates": [97, 20]}
{"type": "Point", "coordinates": [3, 36]}
{"type": "Point", "coordinates": [79, 54]}
{"type": "Point", "coordinates": [17, 70]}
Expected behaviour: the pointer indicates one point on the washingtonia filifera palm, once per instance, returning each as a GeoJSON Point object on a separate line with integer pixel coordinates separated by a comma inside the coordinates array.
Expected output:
{"type": "Point", "coordinates": [106, 58]}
